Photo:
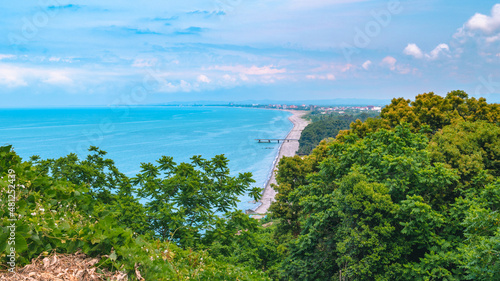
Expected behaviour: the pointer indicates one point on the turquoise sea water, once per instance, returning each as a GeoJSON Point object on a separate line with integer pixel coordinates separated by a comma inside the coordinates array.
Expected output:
{"type": "Point", "coordinates": [144, 134]}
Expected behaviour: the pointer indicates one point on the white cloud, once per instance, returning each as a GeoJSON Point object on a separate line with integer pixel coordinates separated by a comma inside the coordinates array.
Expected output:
{"type": "Point", "coordinates": [392, 64]}
{"type": "Point", "coordinates": [485, 23]}
{"type": "Point", "coordinates": [7, 56]}
{"type": "Point", "coordinates": [16, 76]}
{"type": "Point", "coordinates": [265, 70]}
{"type": "Point", "coordinates": [243, 77]}
{"type": "Point", "coordinates": [59, 59]}
{"type": "Point", "coordinates": [389, 62]}
{"type": "Point", "coordinates": [318, 4]}
{"type": "Point", "coordinates": [174, 87]}
{"type": "Point", "coordinates": [347, 67]}
{"type": "Point", "coordinates": [413, 50]}
{"type": "Point", "coordinates": [366, 64]}
{"type": "Point", "coordinates": [440, 49]}
{"type": "Point", "coordinates": [329, 76]}
{"type": "Point", "coordinates": [492, 39]}
{"type": "Point", "coordinates": [185, 86]}
{"type": "Point", "coordinates": [480, 35]}
{"type": "Point", "coordinates": [57, 77]}
{"type": "Point", "coordinates": [482, 28]}
{"type": "Point", "coordinates": [403, 69]}
{"type": "Point", "coordinates": [168, 87]}
{"type": "Point", "coordinates": [203, 79]}
{"type": "Point", "coordinates": [144, 63]}
{"type": "Point", "coordinates": [228, 77]}
{"type": "Point", "coordinates": [253, 70]}
{"type": "Point", "coordinates": [11, 76]}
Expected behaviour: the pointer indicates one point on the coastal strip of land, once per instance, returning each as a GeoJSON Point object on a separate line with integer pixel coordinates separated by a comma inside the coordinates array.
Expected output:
{"type": "Point", "coordinates": [287, 149]}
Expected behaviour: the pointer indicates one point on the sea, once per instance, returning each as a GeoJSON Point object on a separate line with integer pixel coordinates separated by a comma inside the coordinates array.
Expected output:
{"type": "Point", "coordinates": [135, 135]}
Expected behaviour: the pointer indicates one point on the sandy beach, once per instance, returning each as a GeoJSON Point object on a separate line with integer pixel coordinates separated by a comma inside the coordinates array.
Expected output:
{"type": "Point", "coordinates": [287, 149]}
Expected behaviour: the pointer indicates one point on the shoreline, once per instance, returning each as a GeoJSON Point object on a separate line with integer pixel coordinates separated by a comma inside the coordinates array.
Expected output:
{"type": "Point", "coordinates": [288, 149]}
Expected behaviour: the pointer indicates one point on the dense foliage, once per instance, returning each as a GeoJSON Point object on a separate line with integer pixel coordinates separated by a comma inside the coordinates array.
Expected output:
{"type": "Point", "coordinates": [430, 112]}
{"type": "Point", "coordinates": [68, 205]}
{"type": "Point", "coordinates": [326, 126]}
{"type": "Point", "coordinates": [412, 195]}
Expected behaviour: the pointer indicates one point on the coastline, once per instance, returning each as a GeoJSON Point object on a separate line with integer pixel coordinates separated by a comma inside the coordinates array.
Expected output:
{"type": "Point", "coordinates": [286, 149]}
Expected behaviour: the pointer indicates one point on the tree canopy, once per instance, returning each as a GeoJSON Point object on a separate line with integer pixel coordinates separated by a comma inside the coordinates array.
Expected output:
{"type": "Point", "coordinates": [326, 126]}
{"type": "Point", "coordinates": [430, 112]}
{"type": "Point", "coordinates": [411, 195]}
{"type": "Point", "coordinates": [69, 205]}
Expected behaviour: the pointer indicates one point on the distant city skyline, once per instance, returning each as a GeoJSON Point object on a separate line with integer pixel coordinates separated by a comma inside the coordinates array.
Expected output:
{"type": "Point", "coordinates": [98, 53]}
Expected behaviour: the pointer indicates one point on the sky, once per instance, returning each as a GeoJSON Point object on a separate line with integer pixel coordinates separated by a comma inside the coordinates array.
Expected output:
{"type": "Point", "coordinates": [101, 53]}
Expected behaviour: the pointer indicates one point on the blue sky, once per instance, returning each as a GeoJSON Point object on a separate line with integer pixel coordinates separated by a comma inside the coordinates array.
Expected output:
{"type": "Point", "coordinates": [66, 53]}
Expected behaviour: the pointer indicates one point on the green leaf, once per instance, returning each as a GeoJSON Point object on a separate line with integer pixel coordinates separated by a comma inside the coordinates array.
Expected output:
{"type": "Point", "coordinates": [3, 241]}
{"type": "Point", "coordinates": [21, 244]}
{"type": "Point", "coordinates": [113, 256]}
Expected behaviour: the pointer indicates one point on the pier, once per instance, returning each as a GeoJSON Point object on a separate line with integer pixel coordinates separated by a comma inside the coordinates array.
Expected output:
{"type": "Point", "coordinates": [277, 140]}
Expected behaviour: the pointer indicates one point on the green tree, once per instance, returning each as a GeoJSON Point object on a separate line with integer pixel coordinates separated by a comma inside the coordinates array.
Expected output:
{"type": "Point", "coordinates": [430, 112]}
{"type": "Point", "coordinates": [356, 211]}
{"type": "Point", "coordinates": [472, 148]}
{"type": "Point", "coordinates": [58, 210]}
{"type": "Point", "coordinates": [481, 248]}
{"type": "Point", "coordinates": [184, 199]}
{"type": "Point", "coordinates": [292, 172]}
{"type": "Point", "coordinates": [326, 126]}
{"type": "Point", "coordinates": [384, 203]}
{"type": "Point", "coordinates": [110, 190]}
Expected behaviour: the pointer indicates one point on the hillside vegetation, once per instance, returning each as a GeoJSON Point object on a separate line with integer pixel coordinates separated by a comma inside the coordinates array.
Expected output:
{"type": "Point", "coordinates": [412, 195]}
{"type": "Point", "coordinates": [72, 205]}
{"type": "Point", "coordinates": [326, 126]}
